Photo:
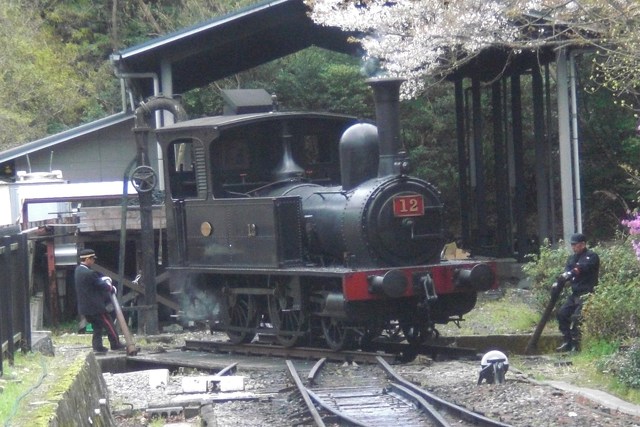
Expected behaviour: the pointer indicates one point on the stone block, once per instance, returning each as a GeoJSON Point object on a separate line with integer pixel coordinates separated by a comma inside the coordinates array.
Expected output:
{"type": "Point", "coordinates": [158, 378]}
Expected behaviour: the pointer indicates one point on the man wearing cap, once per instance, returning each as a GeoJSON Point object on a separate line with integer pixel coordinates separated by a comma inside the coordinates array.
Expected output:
{"type": "Point", "coordinates": [582, 272]}
{"type": "Point", "coordinates": [90, 291]}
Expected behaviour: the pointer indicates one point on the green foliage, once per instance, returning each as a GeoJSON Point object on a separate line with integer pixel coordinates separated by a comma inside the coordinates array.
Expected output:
{"type": "Point", "coordinates": [27, 372]}
{"type": "Point", "coordinates": [598, 349]}
{"type": "Point", "coordinates": [320, 80]}
{"type": "Point", "coordinates": [613, 312]}
{"type": "Point", "coordinates": [629, 370]}
{"type": "Point", "coordinates": [313, 79]}
{"type": "Point", "coordinates": [608, 144]}
{"type": "Point", "coordinates": [44, 86]}
{"type": "Point", "coordinates": [543, 268]}
{"type": "Point", "coordinates": [623, 365]}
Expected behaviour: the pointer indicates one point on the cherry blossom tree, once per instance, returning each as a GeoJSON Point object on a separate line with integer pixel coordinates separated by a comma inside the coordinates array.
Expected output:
{"type": "Point", "coordinates": [419, 39]}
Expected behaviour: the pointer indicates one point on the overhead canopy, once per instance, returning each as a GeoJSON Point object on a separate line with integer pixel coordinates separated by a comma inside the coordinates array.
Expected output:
{"type": "Point", "coordinates": [230, 44]}
{"type": "Point", "coordinates": [495, 62]}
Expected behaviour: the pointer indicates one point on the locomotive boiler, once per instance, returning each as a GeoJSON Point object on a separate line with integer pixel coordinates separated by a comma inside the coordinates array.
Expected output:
{"type": "Point", "coordinates": [309, 227]}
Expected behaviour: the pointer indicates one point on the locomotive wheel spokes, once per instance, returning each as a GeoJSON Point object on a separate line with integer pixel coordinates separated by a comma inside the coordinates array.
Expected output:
{"type": "Point", "coordinates": [287, 314]}
{"type": "Point", "coordinates": [240, 317]}
{"type": "Point", "coordinates": [336, 333]}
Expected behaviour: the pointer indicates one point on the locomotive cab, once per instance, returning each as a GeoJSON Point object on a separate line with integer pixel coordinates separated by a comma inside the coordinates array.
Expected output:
{"type": "Point", "coordinates": [221, 174]}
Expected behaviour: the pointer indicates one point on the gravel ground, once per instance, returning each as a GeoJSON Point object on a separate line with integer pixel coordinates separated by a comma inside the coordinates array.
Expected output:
{"type": "Point", "coordinates": [269, 400]}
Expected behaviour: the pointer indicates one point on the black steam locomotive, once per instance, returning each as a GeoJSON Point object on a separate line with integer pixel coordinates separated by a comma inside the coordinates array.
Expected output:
{"type": "Point", "coordinates": [308, 226]}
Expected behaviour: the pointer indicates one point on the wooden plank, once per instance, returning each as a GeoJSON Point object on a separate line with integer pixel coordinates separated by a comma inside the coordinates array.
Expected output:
{"type": "Point", "coordinates": [108, 218]}
{"type": "Point", "coordinates": [16, 339]}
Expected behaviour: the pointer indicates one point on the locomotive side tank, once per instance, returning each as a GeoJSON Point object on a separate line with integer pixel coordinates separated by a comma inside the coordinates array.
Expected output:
{"type": "Point", "coordinates": [310, 227]}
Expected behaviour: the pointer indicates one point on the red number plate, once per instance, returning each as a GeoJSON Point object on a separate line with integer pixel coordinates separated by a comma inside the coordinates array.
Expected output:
{"type": "Point", "coordinates": [408, 205]}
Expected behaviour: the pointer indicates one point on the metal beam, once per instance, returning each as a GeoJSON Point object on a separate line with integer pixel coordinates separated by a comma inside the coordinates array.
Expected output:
{"type": "Point", "coordinates": [564, 141]}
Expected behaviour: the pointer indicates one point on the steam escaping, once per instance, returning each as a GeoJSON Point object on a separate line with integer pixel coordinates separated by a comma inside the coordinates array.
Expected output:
{"type": "Point", "coordinates": [371, 67]}
{"type": "Point", "coordinates": [198, 303]}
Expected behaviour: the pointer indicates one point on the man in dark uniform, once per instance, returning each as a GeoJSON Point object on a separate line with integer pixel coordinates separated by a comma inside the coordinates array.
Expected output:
{"type": "Point", "coordinates": [92, 292]}
{"type": "Point", "coordinates": [582, 272]}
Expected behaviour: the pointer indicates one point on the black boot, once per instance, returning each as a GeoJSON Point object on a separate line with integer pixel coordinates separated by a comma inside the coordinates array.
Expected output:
{"type": "Point", "coordinates": [566, 346]}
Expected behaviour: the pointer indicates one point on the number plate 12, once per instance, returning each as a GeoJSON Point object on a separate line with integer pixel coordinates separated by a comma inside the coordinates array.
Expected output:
{"type": "Point", "coordinates": [412, 205]}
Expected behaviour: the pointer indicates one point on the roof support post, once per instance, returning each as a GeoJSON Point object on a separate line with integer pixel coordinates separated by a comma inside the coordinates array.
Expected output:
{"type": "Point", "coordinates": [569, 225]}
{"type": "Point", "coordinates": [541, 155]}
{"type": "Point", "coordinates": [478, 176]}
{"type": "Point", "coordinates": [518, 158]}
{"type": "Point", "coordinates": [463, 186]}
{"type": "Point", "coordinates": [501, 173]}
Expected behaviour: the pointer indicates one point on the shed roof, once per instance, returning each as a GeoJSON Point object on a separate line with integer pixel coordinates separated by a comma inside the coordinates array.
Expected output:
{"type": "Point", "coordinates": [51, 140]}
{"type": "Point", "coordinates": [232, 43]}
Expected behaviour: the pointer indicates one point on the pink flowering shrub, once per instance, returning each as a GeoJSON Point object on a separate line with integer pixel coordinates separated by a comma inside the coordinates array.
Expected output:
{"type": "Point", "coordinates": [634, 230]}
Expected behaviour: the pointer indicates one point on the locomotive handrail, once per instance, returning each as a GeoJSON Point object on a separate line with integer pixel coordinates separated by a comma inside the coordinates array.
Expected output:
{"type": "Point", "coordinates": [255, 191]}
{"type": "Point", "coordinates": [426, 236]}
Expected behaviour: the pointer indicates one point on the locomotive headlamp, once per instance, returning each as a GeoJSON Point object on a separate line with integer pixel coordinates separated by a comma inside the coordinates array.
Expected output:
{"type": "Point", "coordinates": [402, 163]}
{"type": "Point", "coordinates": [392, 284]}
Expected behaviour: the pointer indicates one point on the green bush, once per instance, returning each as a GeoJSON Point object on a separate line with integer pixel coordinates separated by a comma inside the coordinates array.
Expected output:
{"type": "Point", "coordinates": [542, 270]}
{"type": "Point", "coordinates": [623, 365]}
{"type": "Point", "coordinates": [612, 313]}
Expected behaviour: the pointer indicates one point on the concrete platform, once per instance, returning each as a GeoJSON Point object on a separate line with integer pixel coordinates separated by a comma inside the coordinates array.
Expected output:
{"type": "Point", "coordinates": [605, 399]}
{"type": "Point", "coordinates": [509, 344]}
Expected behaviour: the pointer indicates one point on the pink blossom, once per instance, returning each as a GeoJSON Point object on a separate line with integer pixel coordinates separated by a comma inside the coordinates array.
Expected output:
{"type": "Point", "coordinates": [634, 229]}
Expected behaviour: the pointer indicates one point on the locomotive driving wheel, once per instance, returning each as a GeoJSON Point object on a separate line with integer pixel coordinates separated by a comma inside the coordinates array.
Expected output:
{"type": "Point", "coordinates": [287, 313]}
{"type": "Point", "coordinates": [337, 334]}
{"type": "Point", "coordinates": [239, 315]}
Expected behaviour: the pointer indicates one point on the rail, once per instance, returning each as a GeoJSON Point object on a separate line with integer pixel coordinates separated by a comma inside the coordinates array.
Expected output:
{"type": "Point", "coordinates": [381, 403]}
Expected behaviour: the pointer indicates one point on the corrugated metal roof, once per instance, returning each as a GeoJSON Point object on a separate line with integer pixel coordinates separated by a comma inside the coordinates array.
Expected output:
{"type": "Point", "coordinates": [241, 119]}
{"type": "Point", "coordinates": [195, 30]}
{"type": "Point", "coordinates": [69, 134]}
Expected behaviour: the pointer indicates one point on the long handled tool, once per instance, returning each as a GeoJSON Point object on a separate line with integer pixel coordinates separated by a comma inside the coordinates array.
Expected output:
{"type": "Point", "coordinates": [555, 296]}
{"type": "Point", "coordinates": [131, 347]}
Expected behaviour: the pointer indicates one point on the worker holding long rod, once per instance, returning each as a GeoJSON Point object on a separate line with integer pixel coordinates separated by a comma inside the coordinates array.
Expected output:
{"type": "Point", "coordinates": [90, 292]}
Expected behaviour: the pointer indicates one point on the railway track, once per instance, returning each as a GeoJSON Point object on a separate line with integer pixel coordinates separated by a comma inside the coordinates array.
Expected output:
{"type": "Point", "coordinates": [375, 401]}
{"type": "Point", "coordinates": [390, 351]}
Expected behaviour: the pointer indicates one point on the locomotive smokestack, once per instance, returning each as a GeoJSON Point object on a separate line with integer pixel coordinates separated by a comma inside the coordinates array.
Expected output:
{"type": "Point", "coordinates": [386, 94]}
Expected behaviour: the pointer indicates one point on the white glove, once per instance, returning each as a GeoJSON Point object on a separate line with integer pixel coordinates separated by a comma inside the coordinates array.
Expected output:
{"type": "Point", "coordinates": [108, 281]}
{"type": "Point", "coordinates": [567, 275]}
